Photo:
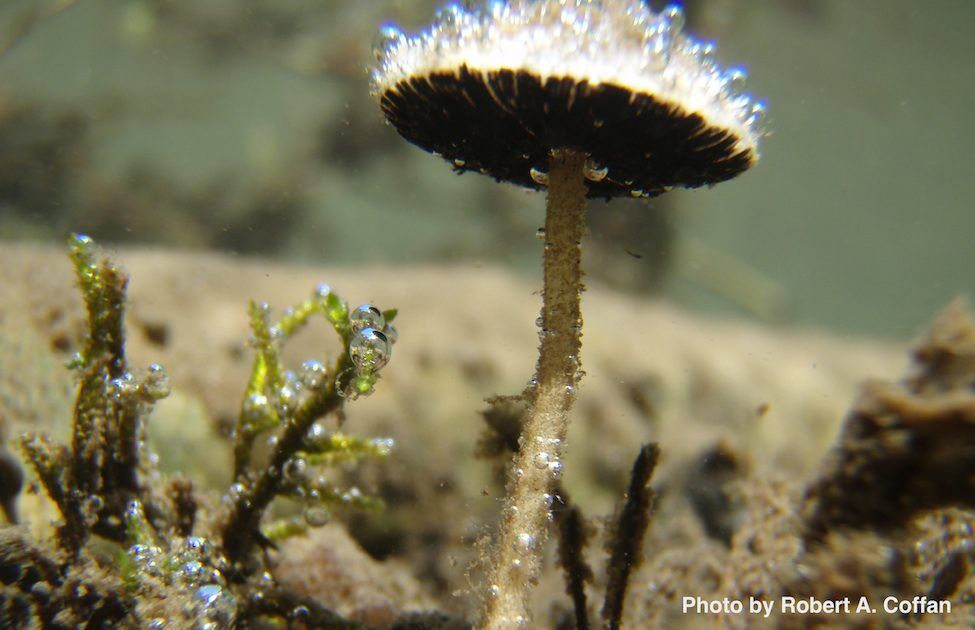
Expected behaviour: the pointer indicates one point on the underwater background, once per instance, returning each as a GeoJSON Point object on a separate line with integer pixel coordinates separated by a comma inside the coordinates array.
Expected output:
{"type": "Point", "coordinates": [247, 127]}
{"type": "Point", "coordinates": [781, 354]}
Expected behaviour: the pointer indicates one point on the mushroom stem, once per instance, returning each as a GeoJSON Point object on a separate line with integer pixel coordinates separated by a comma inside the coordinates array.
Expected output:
{"type": "Point", "coordinates": [537, 465]}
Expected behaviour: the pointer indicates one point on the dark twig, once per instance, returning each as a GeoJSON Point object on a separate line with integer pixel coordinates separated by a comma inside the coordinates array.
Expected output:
{"type": "Point", "coordinates": [627, 539]}
{"type": "Point", "coordinates": [285, 604]}
{"type": "Point", "coordinates": [184, 505]}
{"type": "Point", "coordinates": [49, 461]}
{"type": "Point", "coordinates": [949, 577]}
{"type": "Point", "coordinates": [11, 483]}
{"type": "Point", "coordinates": [572, 543]}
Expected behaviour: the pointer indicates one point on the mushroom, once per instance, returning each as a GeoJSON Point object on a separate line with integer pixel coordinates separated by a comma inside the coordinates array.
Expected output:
{"type": "Point", "coordinates": [582, 98]}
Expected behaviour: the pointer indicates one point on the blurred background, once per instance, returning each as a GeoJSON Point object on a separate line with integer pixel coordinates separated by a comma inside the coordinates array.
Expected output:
{"type": "Point", "coordinates": [246, 126]}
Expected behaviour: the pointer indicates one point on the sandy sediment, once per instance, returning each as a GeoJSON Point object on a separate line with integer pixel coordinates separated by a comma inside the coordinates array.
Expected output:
{"type": "Point", "coordinates": [764, 403]}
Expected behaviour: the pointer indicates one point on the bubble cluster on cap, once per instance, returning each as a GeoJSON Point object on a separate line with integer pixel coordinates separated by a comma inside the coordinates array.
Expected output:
{"type": "Point", "coordinates": [621, 42]}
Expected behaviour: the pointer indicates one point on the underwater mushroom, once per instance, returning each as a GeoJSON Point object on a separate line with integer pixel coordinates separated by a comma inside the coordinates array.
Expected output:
{"type": "Point", "coordinates": [582, 98]}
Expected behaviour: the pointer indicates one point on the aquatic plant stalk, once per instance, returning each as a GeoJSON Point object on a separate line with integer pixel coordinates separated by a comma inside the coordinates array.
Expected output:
{"type": "Point", "coordinates": [354, 374]}
{"type": "Point", "coordinates": [241, 527]}
{"type": "Point", "coordinates": [538, 462]}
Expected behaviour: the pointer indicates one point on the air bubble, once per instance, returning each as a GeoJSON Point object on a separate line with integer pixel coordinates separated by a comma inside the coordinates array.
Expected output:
{"type": "Point", "coordinates": [287, 400]}
{"type": "Point", "coordinates": [366, 316]}
{"type": "Point", "coordinates": [448, 15]}
{"type": "Point", "coordinates": [322, 291]}
{"type": "Point", "coordinates": [555, 469]}
{"type": "Point", "coordinates": [758, 112]}
{"type": "Point", "coordinates": [369, 349]}
{"type": "Point", "coordinates": [95, 503]}
{"type": "Point", "coordinates": [82, 241]}
{"type": "Point", "coordinates": [147, 558]}
{"type": "Point", "coordinates": [123, 387]}
{"type": "Point", "coordinates": [316, 433]}
{"type": "Point", "coordinates": [134, 512]}
{"type": "Point", "coordinates": [553, 442]}
{"type": "Point", "coordinates": [216, 605]}
{"type": "Point", "coordinates": [312, 374]}
{"type": "Point", "coordinates": [541, 460]}
{"type": "Point", "coordinates": [291, 379]}
{"type": "Point", "coordinates": [594, 172]}
{"type": "Point", "coordinates": [675, 15]}
{"type": "Point", "coordinates": [540, 233]}
{"type": "Point", "coordinates": [255, 408]}
{"type": "Point", "coordinates": [76, 362]}
{"type": "Point", "coordinates": [192, 572]}
{"type": "Point", "coordinates": [196, 546]}
{"type": "Point", "coordinates": [316, 516]}
{"type": "Point", "coordinates": [524, 543]}
{"type": "Point", "coordinates": [659, 47]}
{"type": "Point", "coordinates": [264, 309]}
{"type": "Point", "coordinates": [736, 78]}
{"type": "Point", "coordinates": [344, 383]}
{"type": "Point", "coordinates": [388, 38]}
{"type": "Point", "coordinates": [383, 446]}
{"type": "Point", "coordinates": [495, 8]}
{"type": "Point", "coordinates": [707, 53]}
{"type": "Point", "coordinates": [156, 384]}
{"type": "Point", "coordinates": [296, 470]}
{"type": "Point", "coordinates": [459, 163]}
{"type": "Point", "coordinates": [234, 494]}
{"type": "Point", "coordinates": [538, 176]}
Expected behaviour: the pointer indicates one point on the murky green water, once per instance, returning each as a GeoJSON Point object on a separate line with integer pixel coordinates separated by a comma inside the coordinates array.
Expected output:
{"type": "Point", "coordinates": [248, 127]}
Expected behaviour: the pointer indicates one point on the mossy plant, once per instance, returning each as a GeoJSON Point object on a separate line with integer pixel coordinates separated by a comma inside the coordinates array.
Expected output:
{"type": "Point", "coordinates": [171, 566]}
{"type": "Point", "coordinates": [274, 399]}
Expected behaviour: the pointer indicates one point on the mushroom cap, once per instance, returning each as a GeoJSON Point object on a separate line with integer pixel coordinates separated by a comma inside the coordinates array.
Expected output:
{"type": "Point", "coordinates": [496, 87]}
